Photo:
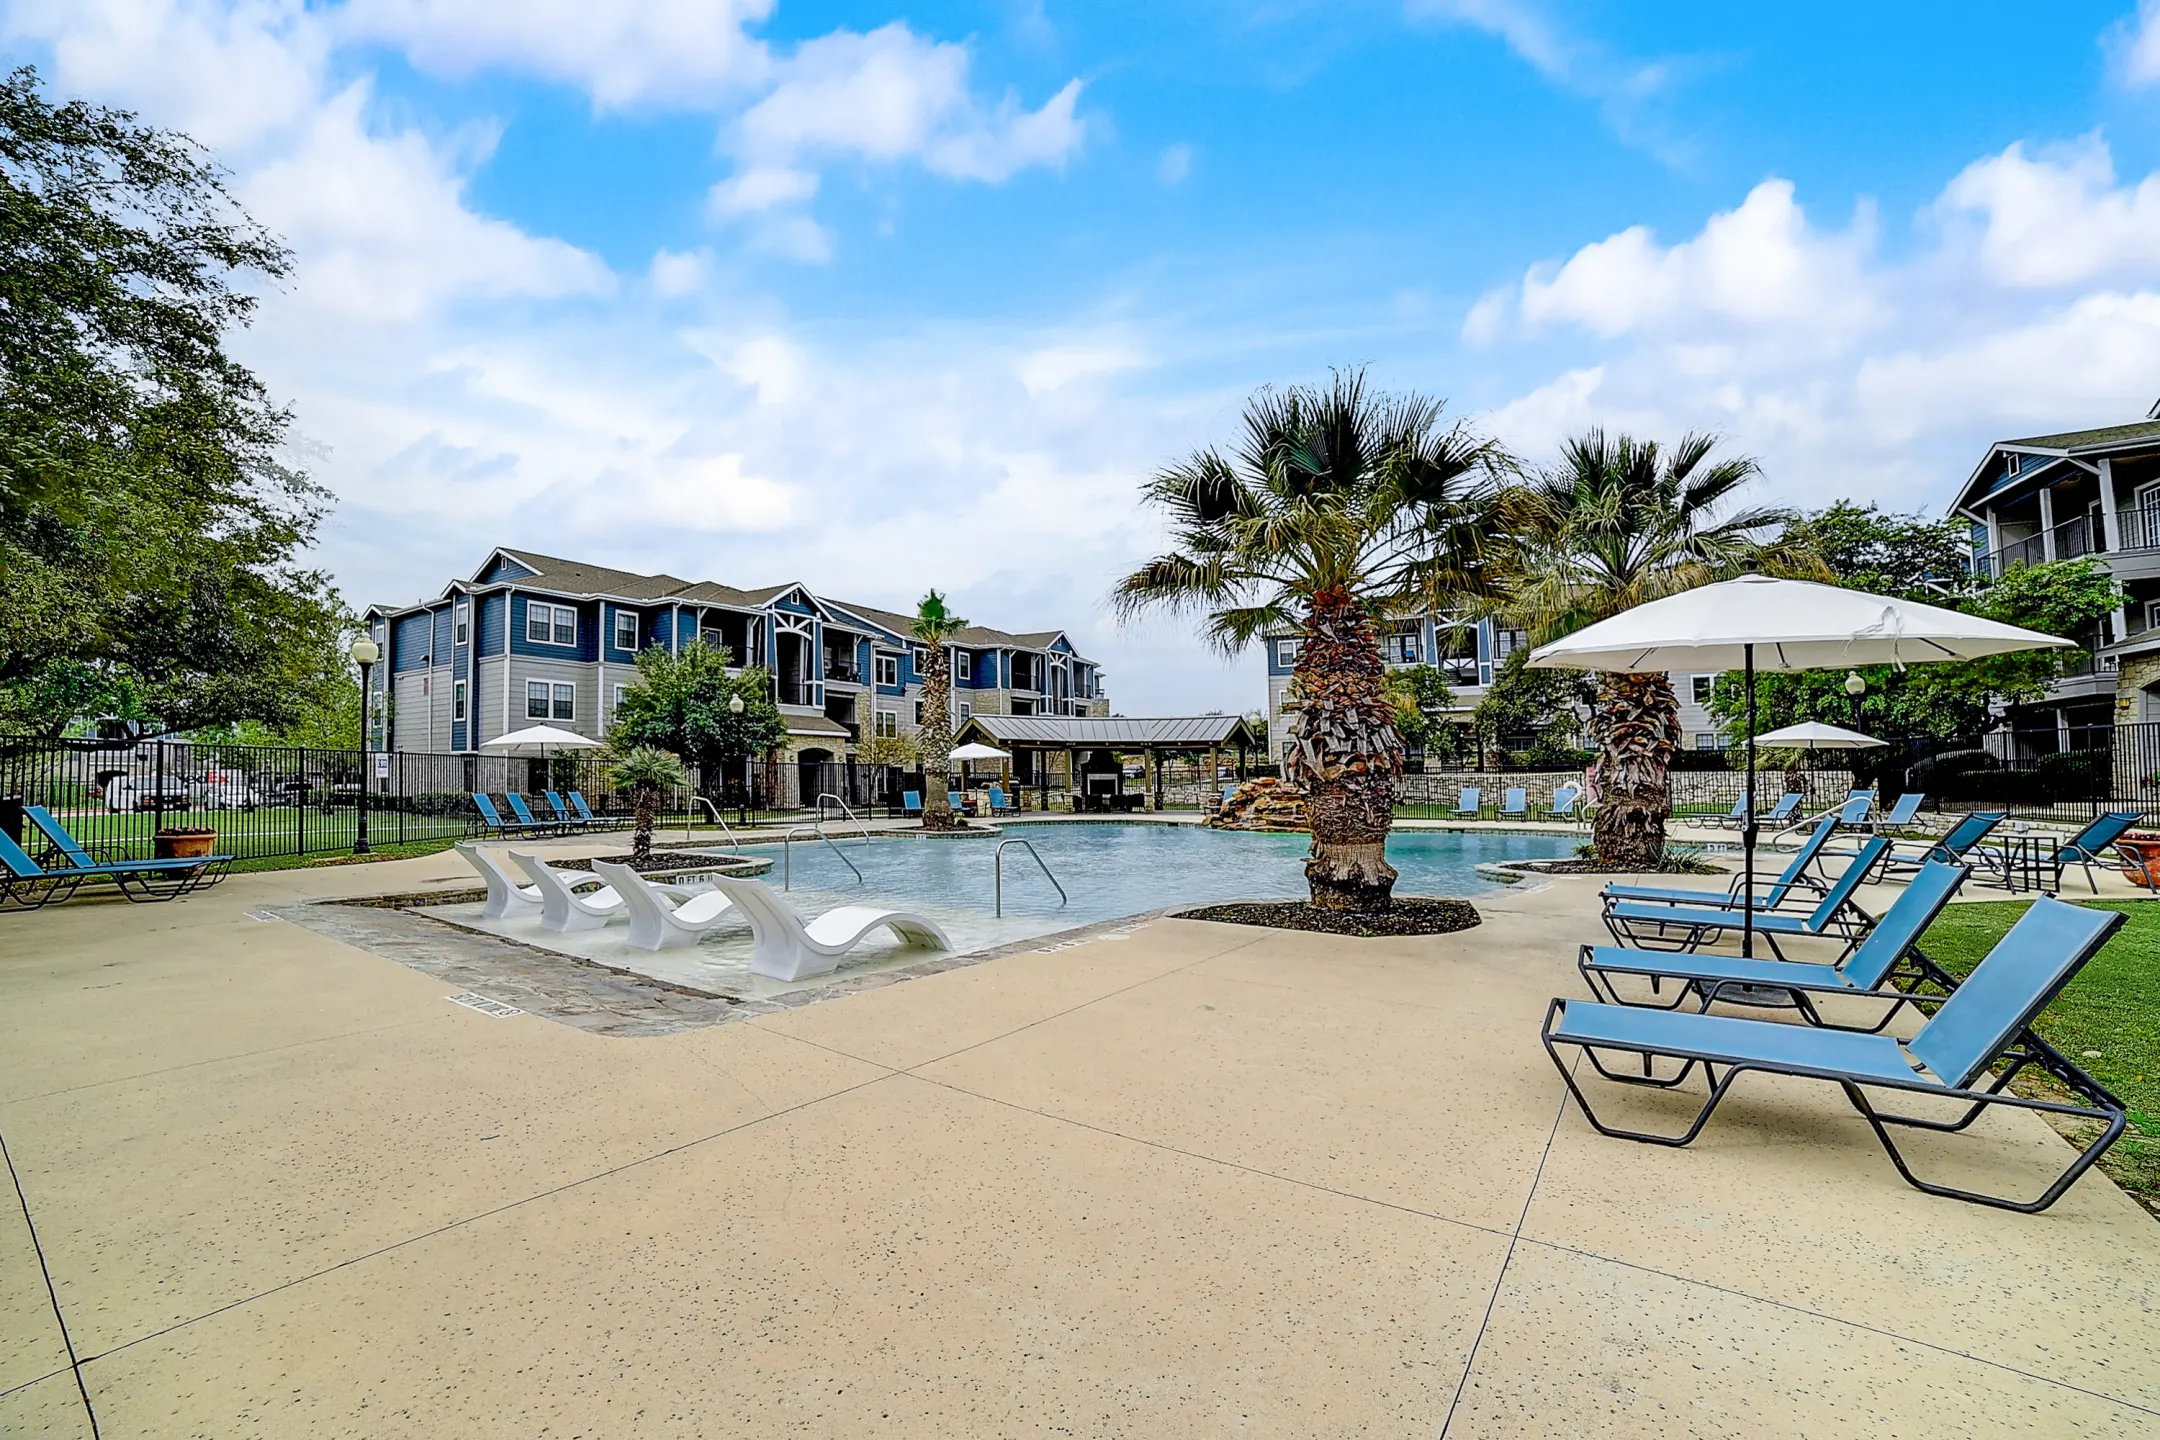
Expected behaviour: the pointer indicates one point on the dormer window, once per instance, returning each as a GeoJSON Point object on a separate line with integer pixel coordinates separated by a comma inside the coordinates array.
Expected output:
{"type": "Point", "coordinates": [2011, 462]}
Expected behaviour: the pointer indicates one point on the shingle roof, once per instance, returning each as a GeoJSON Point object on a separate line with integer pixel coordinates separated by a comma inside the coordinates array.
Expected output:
{"type": "Point", "coordinates": [579, 578]}
{"type": "Point", "coordinates": [974, 636]}
{"type": "Point", "coordinates": [1195, 731]}
{"type": "Point", "coordinates": [812, 725]}
{"type": "Point", "coordinates": [2101, 438]}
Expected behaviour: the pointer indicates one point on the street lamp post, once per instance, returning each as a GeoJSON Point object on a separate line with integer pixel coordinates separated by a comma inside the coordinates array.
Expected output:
{"type": "Point", "coordinates": [365, 652]}
{"type": "Point", "coordinates": [736, 707]}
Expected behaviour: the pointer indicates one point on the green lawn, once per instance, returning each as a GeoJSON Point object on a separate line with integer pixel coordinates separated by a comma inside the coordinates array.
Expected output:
{"type": "Point", "coordinates": [2112, 1007]}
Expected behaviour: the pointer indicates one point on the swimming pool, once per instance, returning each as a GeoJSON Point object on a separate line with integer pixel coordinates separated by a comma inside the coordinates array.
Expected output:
{"type": "Point", "coordinates": [1111, 869]}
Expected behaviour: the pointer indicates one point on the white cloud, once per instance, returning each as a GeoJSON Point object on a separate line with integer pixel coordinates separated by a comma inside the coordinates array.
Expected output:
{"type": "Point", "coordinates": [676, 273]}
{"type": "Point", "coordinates": [760, 188]}
{"type": "Point", "coordinates": [2056, 218]}
{"type": "Point", "coordinates": [2032, 302]}
{"type": "Point", "coordinates": [2136, 43]}
{"type": "Point", "coordinates": [1056, 366]}
{"type": "Point", "coordinates": [1175, 165]}
{"type": "Point", "coordinates": [1761, 264]}
{"type": "Point", "coordinates": [680, 52]}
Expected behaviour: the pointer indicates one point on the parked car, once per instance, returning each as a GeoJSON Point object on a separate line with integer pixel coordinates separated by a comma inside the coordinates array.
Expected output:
{"type": "Point", "coordinates": [226, 790]}
{"type": "Point", "coordinates": [141, 792]}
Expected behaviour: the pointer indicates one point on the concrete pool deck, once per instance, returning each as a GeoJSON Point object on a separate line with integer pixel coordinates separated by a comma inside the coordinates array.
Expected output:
{"type": "Point", "coordinates": [1184, 1179]}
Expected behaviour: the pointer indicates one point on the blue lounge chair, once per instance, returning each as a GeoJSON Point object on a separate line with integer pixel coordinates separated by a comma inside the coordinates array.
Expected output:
{"type": "Point", "coordinates": [584, 811]}
{"type": "Point", "coordinates": [1732, 819]}
{"type": "Point", "coordinates": [2085, 848]}
{"type": "Point", "coordinates": [911, 802]}
{"type": "Point", "coordinates": [956, 802]}
{"type": "Point", "coordinates": [1565, 801]}
{"type": "Point", "coordinates": [1515, 803]}
{"type": "Point", "coordinates": [28, 885]}
{"type": "Point", "coordinates": [999, 805]}
{"type": "Point", "coordinates": [564, 815]}
{"type": "Point", "coordinates": [1471, 804]}
{"type": "Point", "coordinates": [1853, 814]}
{"type": "Point", "coordinates": [1653, 926]}
{"type": "Point", "coordinates": [1890, 953]}
{"type": "Point", "coordinates": [1988, 1021]}
{"type": "Point", "coordinates": [490, 816]}
{"type": "Point", "coordinates": [1952, 848]}
{"type": "Point", "coordinates": [524, 813]}
{"type": "Point", "coordinates": [1899, 815]}
{"type": "Point", "coordinates": [1795, 876]}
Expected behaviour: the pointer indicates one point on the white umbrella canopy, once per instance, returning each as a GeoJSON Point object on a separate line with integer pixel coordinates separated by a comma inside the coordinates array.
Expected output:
{"type": "Point", "coordinates": [1814, 735]}
{"type": "Point", "coordinates": [542, 738]}
{"type": "Point", "coordinates": [1783, 625]}
{"type": "Point", "coordinates": [975, 750]}
{"type": "Point", "coordinates": [1762, 622]}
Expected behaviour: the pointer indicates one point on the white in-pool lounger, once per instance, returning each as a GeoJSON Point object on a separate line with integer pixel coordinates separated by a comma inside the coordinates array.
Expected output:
{"type": "Point", "coordinates": [789, 947]}
{"type": "Point", "coordinates": [661, 916]}
{"type": "Point", "coordinates": [505, 897]}
{"type": "Point", "coordinates": [562, 908]}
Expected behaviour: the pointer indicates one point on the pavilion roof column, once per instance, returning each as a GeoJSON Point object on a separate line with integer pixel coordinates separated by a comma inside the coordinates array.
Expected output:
{"type": "Point", "coordinates": [2047, 522]}
{"type": "Point", "coordinates": [2111, 533]}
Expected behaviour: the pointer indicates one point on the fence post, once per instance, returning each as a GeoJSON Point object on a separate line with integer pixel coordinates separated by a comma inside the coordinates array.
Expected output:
{"type": "Point", "coordinates": [157, 800]}
{"type": "Point", "coordinates": [300, 808]}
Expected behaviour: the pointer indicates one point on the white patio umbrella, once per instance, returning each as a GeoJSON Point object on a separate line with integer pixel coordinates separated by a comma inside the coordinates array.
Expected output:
{"type": "Point", "coordinates": [976, 750]}
{"type": "Point", "coordinates": [541, 738]}
{"type": "Point", "coordinates": [1758, 621]}
{"type": "Point", "coordinates": [1814, 735]}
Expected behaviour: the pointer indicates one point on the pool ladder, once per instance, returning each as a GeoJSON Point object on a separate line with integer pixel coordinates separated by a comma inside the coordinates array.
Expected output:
{"type": "Point", "coordinates": [997, 866]}
{"type": "Point", "coordinates": [787, 853]}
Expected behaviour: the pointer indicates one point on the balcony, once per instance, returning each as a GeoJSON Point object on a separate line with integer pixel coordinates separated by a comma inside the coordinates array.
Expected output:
{"type": "Point", "coordinates": [842, 669]}
{"type": "Point", "coordinates": [795, 692]}
{"type": "Point", "coordinates": [2139, 529]}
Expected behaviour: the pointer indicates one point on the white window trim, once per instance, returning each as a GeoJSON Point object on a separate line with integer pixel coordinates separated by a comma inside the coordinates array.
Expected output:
{"type": "Point", "coordinates": [918, 713]}
{"type": "Point", "coordinates": [1705, 684]}
{"type": "Point", "coordinates": [631, 618]}
{"type": "Point", "coordinates": [1286, 653]}
{"type": "Point", "coordinates": [963, 666]}
{"type": "Point", "coordinates": [555, 695]}
{"type": "Point", "coordinates": [619, 689]}
{"type": "Point", "coordinates": [967, 712]}
{"type": "Point", "coordinates": [553, 613]}
{"type": "Point", "coordinates": [888, 670]}
{"type": "Point", "coordinates": [461, 623]}
{"type": "Point", "coordinates": [542, 687]}
{"type": "Point", "coordinates": [886, 725]}
{"type": "Point", "coordinates": [457, 700]}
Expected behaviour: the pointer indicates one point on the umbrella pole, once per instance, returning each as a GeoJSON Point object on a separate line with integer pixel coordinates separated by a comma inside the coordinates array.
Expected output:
{"type": "Point", "coordinates": [1747, 829]}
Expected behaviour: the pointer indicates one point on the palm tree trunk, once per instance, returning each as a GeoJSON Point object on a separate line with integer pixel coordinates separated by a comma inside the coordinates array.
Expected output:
{"type": "Point", "coordinates": [645, 803]}
{"type": "Point", "coordinates": [935, 737]}
{"type": "Point", "coordinates": [1637, 729]}
{"type": "Point", "coordinates": [1346, 755]}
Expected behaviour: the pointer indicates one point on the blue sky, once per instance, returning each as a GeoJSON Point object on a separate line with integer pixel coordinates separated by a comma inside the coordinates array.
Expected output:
{"type": "Point", "coordinates": [880, 297]}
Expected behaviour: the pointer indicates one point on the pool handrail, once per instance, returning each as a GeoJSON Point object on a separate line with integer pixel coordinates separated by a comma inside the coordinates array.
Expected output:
{"type": "Point", "coordinates": [714, 811]}
{"type": "Point", "coordinates": [997, 867]}
{"type": "Point", "coordinates": [851, 815]}
{"type": "Point", "coordinates": [787, 855]}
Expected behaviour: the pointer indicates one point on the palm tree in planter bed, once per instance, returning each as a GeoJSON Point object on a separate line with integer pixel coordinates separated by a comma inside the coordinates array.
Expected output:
{"type": "Point", "coordinates": [1617, 522]}
{"type": "Point", "coordinates": [1339, 508]}
{"type": "Point", "coordinates": [934, 626]}
{"type": "Point", "coordinates": [644, 771]}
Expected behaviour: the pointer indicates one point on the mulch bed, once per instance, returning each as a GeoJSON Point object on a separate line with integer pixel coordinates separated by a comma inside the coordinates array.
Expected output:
{"type": "Point", "coordinates": [1593, 867]}
{"type": "Point", "coordinates": [1408, 917]}
{"type": "Point", "coordinates": [661, 863]}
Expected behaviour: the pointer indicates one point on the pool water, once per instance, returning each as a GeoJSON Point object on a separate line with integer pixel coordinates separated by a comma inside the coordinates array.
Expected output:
{"type": "Point", "coordinates": [1111, 869]}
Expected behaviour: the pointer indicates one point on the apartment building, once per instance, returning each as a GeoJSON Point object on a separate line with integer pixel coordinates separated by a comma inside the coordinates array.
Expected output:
{"type": "Point", "coordinates": [532, 639]}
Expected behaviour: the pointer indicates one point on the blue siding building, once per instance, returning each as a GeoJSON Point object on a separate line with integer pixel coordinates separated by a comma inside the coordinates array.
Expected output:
{"type": "Point", "coordinates": [532, 639]}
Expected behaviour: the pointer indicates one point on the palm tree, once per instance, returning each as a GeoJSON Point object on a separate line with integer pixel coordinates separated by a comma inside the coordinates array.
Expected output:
{"type": "Point", "coordinates": [1616, 522]}
{"type": "Point", "coordinates": [644, 770]}
{"type": "Point", "coordinates": [934, 626]}
{"type": "Point", "coordinates": [1339, 507]}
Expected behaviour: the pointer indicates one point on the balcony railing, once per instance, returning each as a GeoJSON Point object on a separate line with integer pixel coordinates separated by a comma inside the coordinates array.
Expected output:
{"type": "Point", "coordinates": [794, 692]}
{"type": "Point", "coordinates": [2138, 529]}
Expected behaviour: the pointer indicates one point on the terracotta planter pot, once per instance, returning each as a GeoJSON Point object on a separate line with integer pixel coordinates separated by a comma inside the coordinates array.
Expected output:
{"type": "Point", "coordinates": [183, 844]}
{"type": "Point", "coordinates": [2141, 861]}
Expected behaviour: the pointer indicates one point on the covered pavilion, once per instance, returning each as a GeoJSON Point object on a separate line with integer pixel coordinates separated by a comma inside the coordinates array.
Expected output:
{"type": "Point", "coordinates": [1081, 754]}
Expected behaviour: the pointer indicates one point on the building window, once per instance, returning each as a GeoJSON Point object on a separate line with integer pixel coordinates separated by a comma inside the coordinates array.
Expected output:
{"type": "Point", "coordinates": [457, 700]}
{"type": "Point", "coordinates": [1286, 653]}
{"type": "Point", "coordinates": [921, 658]}
{"type": "Point", "coordinates": [967, 711]}
{"type": "Point", "coordinates": [462, 623]}
{"type": "Point", "coordinates": [1402, 649]}
{"type": "Point", "coordinates": [566, 702]}
{"type": "Point", "coordinates": [550, 624]}
{"type": "Point", "coordinates": [1709, 740]}
{"type": "Point", "coordinates": [888, 670]}
{"type": "Point", "coordinates": [2011, 462]}
{"type": "Point", "coordinates": [888, 724]}
{"type": "Point", "coordinates": [963, 666]}
{"type": "Point", "coordinates": [625, 630]}
{"type": "Point", "coordinates": [918, 714]}
{"type": "Point", "coordinates": [618, 696]}
{"type": "Point", "coordinates": [1700, 687]}
{"type": "Point", "coordinates": [536, 700]}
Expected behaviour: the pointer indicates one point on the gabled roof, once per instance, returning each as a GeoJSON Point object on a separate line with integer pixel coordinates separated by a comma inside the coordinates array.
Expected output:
{"type": "Point", "coordinates": [575, 577]}
{"type": "Point", "coordinates": [1086, 731]}
{"type": "Point", "coordinates": [2043, 451]}
{"type": "Point", "coordinates": [974, 637]}
{"type": "Point", "coordinates": [2106, 437]}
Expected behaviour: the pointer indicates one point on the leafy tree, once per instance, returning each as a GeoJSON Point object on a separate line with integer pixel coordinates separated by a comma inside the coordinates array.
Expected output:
{"type": "Point", "coordinates": [1544, 704]}
{"type": "Point", "coordinates": [1908, 556]}
{"type": "Point", "coordinates": [1617, 522]}
{"type": "Point", "coordinates": [935, 625]}
{"type": "Point", "coordinates": [888, 750]}
{"type": "Point", "coordinates": [149, 534]}
{"type": "Point", "coordinates": [1419, 695]}
{"type": "Point", "coordinates": [644, 771]}
{"type": "Point", "coordinates": [1340, 507]}
{"type": "Point", "coordinates": [680, 703]}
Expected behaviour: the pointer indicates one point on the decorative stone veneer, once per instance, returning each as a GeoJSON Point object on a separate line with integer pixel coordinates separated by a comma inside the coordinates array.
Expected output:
{"type": "Point", "coordinates": [2133, 678]}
